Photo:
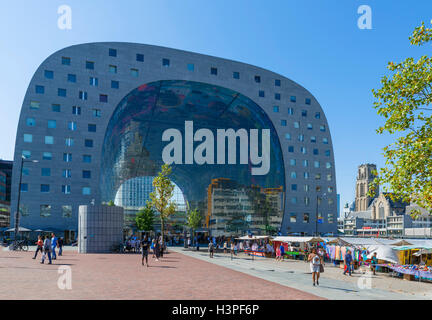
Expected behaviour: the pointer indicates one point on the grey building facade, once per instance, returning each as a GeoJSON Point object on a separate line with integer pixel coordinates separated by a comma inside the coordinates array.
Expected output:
{"type": "Point", "coordinates": [79, 120]}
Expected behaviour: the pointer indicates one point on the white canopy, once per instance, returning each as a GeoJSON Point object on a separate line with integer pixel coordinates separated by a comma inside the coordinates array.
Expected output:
{"type": "Point", "coordinates": [298, 239]}
{"type": "Point", "coordinates": [252, 237]}
{"type": "Point", "coordinates": [384, 252]}
{"type": "Point", "coordinates": [20, 229]}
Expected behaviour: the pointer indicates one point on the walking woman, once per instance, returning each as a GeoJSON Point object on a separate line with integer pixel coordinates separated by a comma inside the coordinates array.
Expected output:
{"type": "Point", "coordinates": [39, 247]}
{"type": "Point", "coordinates": [47, 249]}
{"type": "Point", "coordinates": [315, 264]}
{"type": "Point", "coordinates": [156, 250]}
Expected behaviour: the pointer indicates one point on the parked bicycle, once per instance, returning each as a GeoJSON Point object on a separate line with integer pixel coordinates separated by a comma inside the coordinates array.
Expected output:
{"type": "Point", "coordinates": [19, 245]}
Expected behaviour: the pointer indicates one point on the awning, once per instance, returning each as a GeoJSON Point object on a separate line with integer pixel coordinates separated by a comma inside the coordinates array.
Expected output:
{"type": "Point", "coordinates": [20, 229]}
{"type": "Point", "coordinates": [298, 239]}
{"type": "Point", "coordinates": [253, 237]}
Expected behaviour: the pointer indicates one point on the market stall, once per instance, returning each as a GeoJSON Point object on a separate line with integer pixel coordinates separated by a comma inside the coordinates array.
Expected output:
{"type": "Point", "coordinates": [296, 247]}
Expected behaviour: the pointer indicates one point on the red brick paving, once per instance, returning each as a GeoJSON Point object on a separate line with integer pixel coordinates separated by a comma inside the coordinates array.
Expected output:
{"type": "Point", "coordinates": [121, 276]}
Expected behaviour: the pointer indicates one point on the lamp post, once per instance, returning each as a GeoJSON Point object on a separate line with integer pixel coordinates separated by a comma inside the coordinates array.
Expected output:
{"type": "Point", "coordinates": [19, 195]}
{"type": "Point", "coordinates": [316, 214]}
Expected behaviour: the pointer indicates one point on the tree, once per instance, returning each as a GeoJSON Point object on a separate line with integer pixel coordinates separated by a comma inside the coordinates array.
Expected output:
{"type": "Point", "coordinates": [404, 100]}
{"type": "Point", "coordinates": [194, 219]}
{"type": "Point", "coordinates": [111, 203]}
{"type": "Point", "coordinates": [161, 196]}
{"type": "Point", "coordinates": [145, 218]}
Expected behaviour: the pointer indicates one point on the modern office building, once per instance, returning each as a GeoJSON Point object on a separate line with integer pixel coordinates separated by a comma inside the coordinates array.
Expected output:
{"type": "Point", "coordinates": [97, 115]}
{"type": "Point", "coordinates": [5, 192]}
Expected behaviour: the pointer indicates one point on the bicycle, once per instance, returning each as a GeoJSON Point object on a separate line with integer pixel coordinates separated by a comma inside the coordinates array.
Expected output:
{"type": "Point", "coordinates": [19, 245]}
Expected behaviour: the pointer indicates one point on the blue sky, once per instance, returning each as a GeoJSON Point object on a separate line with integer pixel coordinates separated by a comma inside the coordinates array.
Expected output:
{"type": "Point", "coordinates": [316, 43]}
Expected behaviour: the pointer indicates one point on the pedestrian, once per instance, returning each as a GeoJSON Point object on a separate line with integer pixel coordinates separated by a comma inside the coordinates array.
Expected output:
{"type": "Point", "coordinates": [157, 250]}
{"type": "Point", "coordinates": [53, 246]}
{"type": "Point", "coordinates": [374, 262]}
{"type": "Point", "coordinates": [39, 247]}
{"type": "Point", "coordinates": [282, 252]}
{"type": "Point", "coordinates": [60, 246]}
{"type": "Point", "coordinates": [315, 265]}
{"type": "Point", "coordinates": [47, 250]}
{"type": "Point", "coordinates": [145, 248]}
{"type": "Point", "coordinates": [152, 247]}
{"type": "Point", "coordinates": [161, 246]}
{"type": "Point", "coordinates": [225, 247]}
{"type": "Point", "coordinates": [348, 260]}
{"type": "Point", "coordinates": [211, 248]}
{"type": "Point", "coordinates": [278, 253]}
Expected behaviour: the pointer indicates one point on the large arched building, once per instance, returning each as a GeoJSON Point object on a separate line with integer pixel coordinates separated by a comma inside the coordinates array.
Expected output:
{"type": "Point", "coordinates": [249, 148]}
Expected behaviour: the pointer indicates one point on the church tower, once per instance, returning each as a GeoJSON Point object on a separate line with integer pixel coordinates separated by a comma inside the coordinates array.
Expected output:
{"type": "Point", "coordinates": [364, 177]}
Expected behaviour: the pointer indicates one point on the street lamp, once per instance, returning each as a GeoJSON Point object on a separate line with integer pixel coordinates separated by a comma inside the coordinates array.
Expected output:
{"type": "Point", "coordinates": [316, 214]}
{"type": "Point", "coordinates": [19, 195]}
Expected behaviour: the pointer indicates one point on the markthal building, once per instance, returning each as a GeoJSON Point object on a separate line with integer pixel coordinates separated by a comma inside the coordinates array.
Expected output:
{"type": "Point", "coordinates": [249, 148]}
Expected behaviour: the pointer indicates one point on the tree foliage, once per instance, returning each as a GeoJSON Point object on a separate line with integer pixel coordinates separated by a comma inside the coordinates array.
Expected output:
{"type": "Point", "coordinates": [145, 218]}
{"type": "Point", "coordinates": [162, 194]}
{"type": "Point", "coordinates": [194, 219]}
{"type": "Point", "coordinates": [404, 100]}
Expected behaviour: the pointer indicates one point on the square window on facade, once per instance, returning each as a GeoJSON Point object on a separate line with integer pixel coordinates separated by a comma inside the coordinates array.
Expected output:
{"type": "Point", "coordinates": [94, 81]}
{"type": "Point", "coordinates": [52, 124]}
{"type": "Point", "coordinates": [315, 152]}
{"type": "Point", "coordinates": [309, 126]}
{"type": "Point", "coordinates": [317, 115]}
{"type": "Point", "coordinates": [28, 137]}
{"type": "Point", "coordinates": [290, 111]}
{"type": "Point", "coordinates": [112, 52]}
{"type": "Point", "coordinates": [257, 79]}
{"type": "Point", "coordinates": [88, 143]}
{"type": "Point", "coordinates": [305, 217]}
{"type": "Point", "coordinates": [26, 154]}
{"type": "Point", "coordinates": [40, 89]}
{"type": "Point", "coordinates": [313, 139]}
{"type": "Point", "coordinates": [213, 71]}
{"type": "Point", "coordinates": [316, 163]}
{"type": "Point", "coordinates": [69, 142]}
{"type": "Point", "coordinates": [61, 92]}
{"type": "Point", "coordinates": [283, 123]}
{"type": "Point", "coordinates": [45, 188]}
{"type": "Point", "coordinates": [236, 75]}
{"type": "Point", "coordinates": [134, 72]}
{"type": "Point", "coordinates": [165, 62]}
{"type": "Point", "coordinates": [293, 217]}
{"type": "Point", "coordinates": [76, 110]}
{"type": "Point", "coordinates": [325, 140]}
{"type": "Point", "coordinates": [71, 78]}
{"type": "Point", "coordinates": [66, 61]}
{"type": "Point", "coordinates": [67, 211]}
{"type": "Point", "coordinates": [45, 210]}
{"type": "Point", "coordinates": [296, 124]}
{"type": "Point", "coordinates": [322, 128]}
{"type": "Point", "coordinates": [293, 187]}
{"type": "Point", "coordinates": [55, 108]}
{"type": "Point", "coordinates": [294, 200]}
{"type": "Point", "coordinates": [67, 173]}
{"type": "Point", "coordinates": [34, 105]}
{"type": "Point", "coordinates": [277, 96]}
{"type": "Point", "coordinates": [293, 99]}
{"type": "Point", "coordinates": [305, 163]}
{"type": "Point", "coordinates": [277, 83]}
{"type": "Point", "coordinates": [67, 157]}
{"type": "Point", "coordinates": [49, 74]}
{"type": "Point", "coordinates": [275, 108]}
{"type": "Point", "coordinates": [47, 156]}
{"type": "Point", "coordinates": [86, 191]}
{"type": "Point", "coordinates": [24, 187]}
{"type": "Point", "coordinates": [31, 122]}
{"type": "Point", "coordinates": [86, 174]}
{"type": "Point", "coordinates": [291, 149]}
{"type": "Point", "coordinates": [46, 172]}
{"type": "Point", "coordinates": [90, 65]}
{"type": "Point", "coordinates": [190, 66]}
{"type": "Point", "coordinates": [304, 113]}
{"type": "Point", "coordinates": [293, 175]}
{"type": "Point", "coordinates": [72, 125]}
{"type": "Point", "coordinates": [139, 57]}
{"type": "Point", "coordinates": [307, 101]}
{"type": "Point", "coordinates": [292, 162]}
{"type": "Point", "coordinates": [261, 94]}
{"type": "Point", "coordinates": [287, 136]}
{"type": "Point", "coordinates": [49, 140]}
{"type": "Point", "coordinates": [327, 153]}
{"type": "Point", "coordinates": [66, 189]}
{"type": "Point", "coordinates": [82, 95]}
{"type": "Point", "coordinates": [97, 113]}
{"type": "Point", "coordinates": [87, 158]}
{"type": "Point", "coordinates": [103, 98]}
{"type": "Point", "coordinates": [115, 84]}
{"type": "Point", "coordinates": [301, 137]}
{"type": "Point", "coordinates": [92, 128]}
{"type": "Point", "coordinates": [112, 69]}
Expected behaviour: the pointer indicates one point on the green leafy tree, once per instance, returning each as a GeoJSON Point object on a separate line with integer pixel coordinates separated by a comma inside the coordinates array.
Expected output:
{"type": "Point", "coordinates": [404, 100]}
{"type": "Point", "coordinates": [111, 203]}
{"type": "Point", "coordinates": [194, 219]}
{"type": "Point", "coordinates": [161, 196]}
{"type": "Point", "coordinates": [145, 218]}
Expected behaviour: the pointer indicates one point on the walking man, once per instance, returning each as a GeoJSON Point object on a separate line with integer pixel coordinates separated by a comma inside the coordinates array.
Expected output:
{"type": "Point", "coordinates": [145, 248]}
{"type": "Point", "coordinates": [60, 245]}
{"type": "Point", "coordinates": [47, 250]}
{"type": "Point", "coordinates": [374, 262]}
{"type": "Point", "coordinates": [211, 248]}
{"type": "Point", "coordinates": [53, 246]}
{"type": "Point", "coordinates": [348, 262]}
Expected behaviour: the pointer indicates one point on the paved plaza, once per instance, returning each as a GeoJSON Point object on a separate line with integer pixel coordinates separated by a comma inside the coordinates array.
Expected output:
{"type": "Point", "coordinates": [190, 275]}
{"type": "Point", "coordinates": [121, 276]}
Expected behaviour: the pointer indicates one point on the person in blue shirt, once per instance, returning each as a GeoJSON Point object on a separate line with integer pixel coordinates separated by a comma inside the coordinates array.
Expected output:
{"type": "Point", "coordinates": [282, 252]}
{"type": "Point", "coordinates": [374, 262]}
{"type": "Point", "coordinates": [348, 262]}
{"type": "Point", "coordinates": [53, 246]}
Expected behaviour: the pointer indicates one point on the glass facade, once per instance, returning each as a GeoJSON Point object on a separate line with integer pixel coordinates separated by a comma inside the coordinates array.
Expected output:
{"type": "Point", "coordinates": [216, 166]}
